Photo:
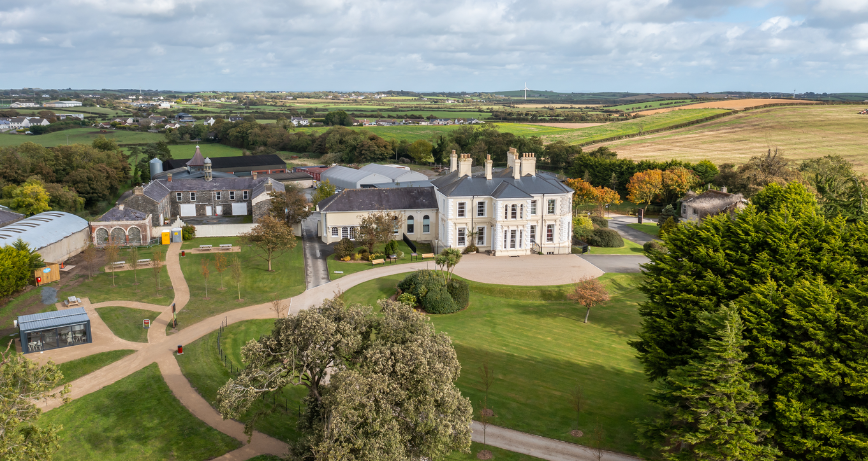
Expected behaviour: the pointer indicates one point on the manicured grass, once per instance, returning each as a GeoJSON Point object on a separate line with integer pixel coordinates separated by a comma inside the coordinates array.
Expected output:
{"type": "Point", "coordinates": [257, 285]}
{"type": "Point", "coordinates": [80, 136]}
{"type": "Point", "coordinates": [499, 454]}
{"type": "Point", "coordinates": [210, 150]}
{"type": "Point", "coordinates": [539, 350]}
{"type": "Point", "coordinates": [629, 248]}
{"type": "Point", "coordinates": [650, 229]}
{"type": "Point", "coordinates": [126, 322]}
{"type": "Point", "coordinates": [201, 364]}
{"type": "Point", "coordinates": [136, 418]}
{"type": "Point", "coordinates": [351, 267]}
{"type": "Point", "coordinates": [77, 368]}
{"type": "Point", "coordinates": [100, 289]}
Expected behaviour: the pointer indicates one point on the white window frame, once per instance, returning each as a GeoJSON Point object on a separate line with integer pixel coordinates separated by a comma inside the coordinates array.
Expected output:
{"type": "Point", "coordinates": [334, 231]}
{"type": "Point", "coordinates": [550, 233]}
{"type": "Point", "coordinates": [244, 195]}
{"type": "Point", "coordinates": [179, 196]}
{"type": "Point", "coordinates": [513, 234]}
{"type": "Point", "coordinates": [551, 206]}
{"type": "Point", "coordinates": [533, 207]}
{"type": "Point", "coordinates": [480, 236]}
{"type": "Point", "coordinates": [480, 209]}
{"type": "Point", "coordinates": [521, 211]}
{"type": "Point", "coordinates": [513, 211]}
{"type": "Point", "coordinates": [426, 228]}
{"type": "Point", "coordinates": [505, 238]}
{"type": "Point", "coordinates": [192, 196]}
{"type": "Point", "coordinates": [461, 210]}
{"type": "Point", "coordinates": [411, 221]}
{"type": "Point", "coordinates": [461, 236]}
{"type": "Point", "coordinates": [219, 195]}
{"type": "Point", "coordinates": [231, 195]}
{"type": "Point", "coordinates": [345, 232]}
{"type": "Point", "coordinates": [533, 233]}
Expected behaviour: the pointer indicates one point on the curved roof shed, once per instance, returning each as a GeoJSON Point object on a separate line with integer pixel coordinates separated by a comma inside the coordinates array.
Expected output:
{"type": "Point", "coordinates": [54, 234]}
{"type": "Point", "coordinates": [348, 178]}
{"type": "Point", "coordinates": [395, 174]}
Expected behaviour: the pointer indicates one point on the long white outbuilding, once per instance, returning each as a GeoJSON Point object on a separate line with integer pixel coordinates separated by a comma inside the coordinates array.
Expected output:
{"type": "Point", "coordinates": [55, 235]}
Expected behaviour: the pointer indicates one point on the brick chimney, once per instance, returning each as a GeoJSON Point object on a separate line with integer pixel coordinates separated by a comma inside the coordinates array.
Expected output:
{"type": "Point", "coordinates": [488, 165]}
{"type": "Point", "coordinates": [139, 190]}
{"type": "Point", "coordinates": [254, 175]}
{"type": "Point", "coordinates": [169, 177]}
{"type": "Point", "coordinates": [121, 207]}
{"type": "Point", "coordinates": [268, 186]}
{"type": "Point", "coordinates": [453, 162]}
{"type": "Point", "coordinates": [528, 164]}
{"type": "Point", "coordinates": [464, 165]}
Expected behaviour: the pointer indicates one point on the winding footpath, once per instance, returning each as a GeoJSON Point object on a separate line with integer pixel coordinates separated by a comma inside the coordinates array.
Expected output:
{"type": "Point", "coordinates": [160, 349]}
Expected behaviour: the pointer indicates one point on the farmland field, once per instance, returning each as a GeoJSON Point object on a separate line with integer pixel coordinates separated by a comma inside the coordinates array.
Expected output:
{"type": "Point", "coordinates": [639, 106]}
{"type": "Point", "coordinates": [80, 136]}
{"type": "Point", "coordinates": [800, 131]}
{"type": "Point", "coordinates": [738, 104]}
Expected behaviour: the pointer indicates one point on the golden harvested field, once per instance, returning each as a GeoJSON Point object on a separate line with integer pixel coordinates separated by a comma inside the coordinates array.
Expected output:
{"type": "Point", "coordinates": [566, 125]}
{"type": "Point", "coordinates": [738, 104]}
{"type": "Point", "coordinates": [800, 131]}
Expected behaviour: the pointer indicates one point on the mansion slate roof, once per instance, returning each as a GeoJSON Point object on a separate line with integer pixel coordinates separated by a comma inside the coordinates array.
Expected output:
{"type": "Point", "coordinates": [241, 161]}
{"type": "Point", "coordinates": [502, 185]}
{"type": "Point", "coordinates": [127, 214]}
{"type": "Point", "coordinates": [160, 188]}
{"type": "Point", "coordinates": [404, 198]}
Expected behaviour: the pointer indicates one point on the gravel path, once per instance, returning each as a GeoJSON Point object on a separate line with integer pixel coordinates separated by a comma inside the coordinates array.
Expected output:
{"type": "Point", "coordinates": [527, 270]}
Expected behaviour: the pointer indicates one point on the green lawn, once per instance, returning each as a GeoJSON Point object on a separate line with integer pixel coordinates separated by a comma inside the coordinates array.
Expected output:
{"type": "Point", "coordinates": [257, 286]}
{"type": "Point", "coordinates": [126, 322]}
{"type": "Point", "coordinates": [538, 349]}
{"type": "Point", "coordinates": [650, 229]}
{"type": "Point", "coordinates": [10, 310]}
{"type": "Point", "coordinates": [201, 364]}
{"type": "Point", "coordinates": [352, 267]}
{"type": "Point", "coordinates": [136, 418]}
{"type": "Point", "coordinates": [499, 454]}
{"type": "Point", "coordinates": [100, 289]}
{"type": "Point", "coordinates": [629, 248]}
{"type": "Point", "coordinates": [77, 368]}
{"type": "Point", "coordinates": [80, 136]}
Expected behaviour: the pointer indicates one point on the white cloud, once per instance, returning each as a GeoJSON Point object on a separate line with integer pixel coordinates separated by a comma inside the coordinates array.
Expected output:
{"type": "Point", "coordinates": [9, 37]}
{"type": "Point", "coordinates": [777, 24]}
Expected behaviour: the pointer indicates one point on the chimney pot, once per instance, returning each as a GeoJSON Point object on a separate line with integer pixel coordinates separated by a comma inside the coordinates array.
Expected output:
{"type": "Point", "coordinates": [488, 164]}
{"type": "Point", "coordinates": [723, 189]}
{"type": "Point", "coordinates": [121, 207]}
{"type": "Point", "coordinates": [169, 177]}
{"type": "Point", "coordinates": [253, 174]}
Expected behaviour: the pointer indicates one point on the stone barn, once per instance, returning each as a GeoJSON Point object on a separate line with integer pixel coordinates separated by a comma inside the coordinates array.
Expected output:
{"type": "Point", "coordinates": [125, 226]}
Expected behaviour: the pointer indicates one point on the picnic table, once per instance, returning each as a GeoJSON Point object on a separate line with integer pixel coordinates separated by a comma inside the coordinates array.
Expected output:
{"type": "Point", "coordinates": [119, 263]}
{"type": "Point", "coordinates": [392, 258]}
{"type": "Point", "coordinates": [143, 262]}
{"type": "Point", "coordinates": [205, 247]}
{"type": "Point", "coordinates": [226, 246]}
{"type": "Point", "coordinates": [73, 301]}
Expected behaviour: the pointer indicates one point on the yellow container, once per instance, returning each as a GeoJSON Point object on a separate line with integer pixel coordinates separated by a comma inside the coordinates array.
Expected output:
{"type": "Point", "coordinates": [166, 237]}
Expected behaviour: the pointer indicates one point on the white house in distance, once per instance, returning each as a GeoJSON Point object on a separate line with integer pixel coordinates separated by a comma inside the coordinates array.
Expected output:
{"type": "Point", "coordinates": [59, 104]}
{"type": "Point", "coordinates": [300, 121]}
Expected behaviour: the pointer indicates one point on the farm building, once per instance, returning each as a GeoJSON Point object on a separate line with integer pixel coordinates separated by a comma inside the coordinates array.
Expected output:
{"type": "Point", "coordinates": [348, 178]}
{"type": "Point", "coordinates": [125, 226]}
{"type": "Point", "coordinates": [396, 174]}
{"type": "Point", "coordinates": [55, 235]}
{"type": "Point", "coordinates": [237, 166]}
{"type": "Point", "coordinates": [300, 179]}
{"type": "Point", "coordinates": [8, 216]}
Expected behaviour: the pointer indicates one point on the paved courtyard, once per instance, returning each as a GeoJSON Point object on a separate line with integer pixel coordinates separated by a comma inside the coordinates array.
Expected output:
{"type": "Point", "coordinates": [531, 270]}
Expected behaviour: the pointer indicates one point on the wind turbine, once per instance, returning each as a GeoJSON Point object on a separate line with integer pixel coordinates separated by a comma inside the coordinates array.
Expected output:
{"type": "Point", "coordinates": [525, 91]}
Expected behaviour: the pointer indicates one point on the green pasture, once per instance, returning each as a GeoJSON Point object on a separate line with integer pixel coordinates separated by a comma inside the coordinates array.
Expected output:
{"type": "Point", "coordinates": [126, 322]}
{"type": "Point", "coordinates": [136, 418]}
{"type": "Point", "coordinates": [203, 367]}
{"type": "Point", "coordinates": [257, 285]}
{"type": "Point", "coordinates": [80, 136]}
{"type": "Point", "coordinates": [648, 105]}
{"type": "Point", "coordinates": [539, 350]}
{"type": "Point", "coordinates": [630, 127]}
{"type": "Point", "coordinates": [211, 150]}
{"type": "Point", "coordinates": [77, 368]}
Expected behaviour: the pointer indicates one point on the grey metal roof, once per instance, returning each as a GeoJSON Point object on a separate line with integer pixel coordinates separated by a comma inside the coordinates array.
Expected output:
{"type": "Point", "coordinates": [259, 186]}
{"type": "Point", "coordinates": [349, 178]}
{"type": "Point", "coordinates": [43, 229]}
{"type": "Point", "coordinates": [395, 174]}
{"type": "Point", "coordinates": [55, 319]}
{"type": "Point", "coordinates": [465, 186]}
{"type": "Point", "coordinates": [392, 185]}
{"type": "Point", "coordinates": [127, 214]}
{"type": "Point", "coordinates": [405, 198]}
{"type": "Point", "coordinates": [8, 216]}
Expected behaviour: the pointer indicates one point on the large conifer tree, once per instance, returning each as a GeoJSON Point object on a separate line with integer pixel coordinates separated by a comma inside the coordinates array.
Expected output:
{"type": "Point", "coordinates": [799, 282]}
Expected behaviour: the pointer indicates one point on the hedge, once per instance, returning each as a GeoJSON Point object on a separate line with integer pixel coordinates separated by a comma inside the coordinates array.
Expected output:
{"type": "Point", "coordinates": [460, 293]}
{"type": "Point", "coordinates": [432, 293]}
{"type": "Point", "coordinates": [600, 221]}
{"type": "Point", "coordinates": [15, 271]}
{"type": "Point", "coordinates": [606, 238]}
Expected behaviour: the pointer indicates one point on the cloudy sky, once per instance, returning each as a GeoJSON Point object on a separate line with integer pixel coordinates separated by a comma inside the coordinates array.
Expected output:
{"type": "Point", "coordinates": [563, 45]}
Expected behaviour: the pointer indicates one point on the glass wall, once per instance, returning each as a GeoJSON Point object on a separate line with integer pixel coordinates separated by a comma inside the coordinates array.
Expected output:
{"type": "Point", "coordinates": [52, 338]}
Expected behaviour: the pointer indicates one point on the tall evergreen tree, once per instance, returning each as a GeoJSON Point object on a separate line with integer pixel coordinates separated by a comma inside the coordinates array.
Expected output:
{"type": "Point", "coordinates": [800, 282]}
{"type": "Point", "coordinates": [711, 410]}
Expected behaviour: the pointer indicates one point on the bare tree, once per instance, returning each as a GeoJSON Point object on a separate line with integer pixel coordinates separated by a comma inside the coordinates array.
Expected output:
{"type": "Point", "coordinates": [221, 263]}
{"type": "Point", "coordinates": [89, 255]}
{"type": "Point", "coordinates": [157, 257]}
{"type": "Point", "coordinates": [589, 292]}
{"type": "Point", "coordinates": [111, 255]}
{"type": "Point", "coordinates": [486, 413]}
{"type": "Point", "coordinates": [133, 256]}
{"type": "Point", "coordinates": [237, 274]}
{"type": "Point", "coordinates": [598, 437]}
{"type": "Point", "coordinates": [277, 305]}
{"type": "Point", "coordinates": [206, 272]}
{"type": "Point", "coordinates": [577, 399]}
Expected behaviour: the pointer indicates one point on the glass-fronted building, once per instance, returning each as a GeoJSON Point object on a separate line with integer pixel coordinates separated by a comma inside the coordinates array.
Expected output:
{"type": "Point", "coordinates": [52, 330]}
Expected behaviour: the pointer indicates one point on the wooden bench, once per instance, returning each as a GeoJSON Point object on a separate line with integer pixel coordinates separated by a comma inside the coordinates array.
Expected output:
{"type": "Point", "coordinates": [143, 262]}
{"type": "Point", "coordinates": [378, 261]}
{"type": "Point", "coordinates": [205, 247]}
{"type": "Point", "coordinates": [226, 246]}
{"type": "Point", "coordinates": [427, 255]}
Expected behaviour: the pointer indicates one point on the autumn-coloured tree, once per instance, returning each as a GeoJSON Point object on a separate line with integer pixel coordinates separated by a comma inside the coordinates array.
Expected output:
{"type": "Point", "coordinates": [157, 257]}
{"type": "Point", "coordinates": [89, 255]}
{"type": "Point", "coordinates": [272, 237]}
{"type": "Point", "coordinates": [289, 206]}
{"type": "Point", "coordinates": [605, 196]}
{"type": "Point", "coordinates": [237, 274]}
{"type": "Point", "coordinates": [206, 272]}
{"type": "Point", "coordinates": [378, 227]}
{"type": "Point", "coordinates": [676, 182]}
{"type": "Point", "coordinates": [221, 263]}
{"type": "Point", "coordinates": [645, 186]}
{"type": "Point", "coordinates": [589, 292]}
{"type": "Point", "coordinates": [111, 255]}
{"type": "Point", "coordinates": [585, 192]}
